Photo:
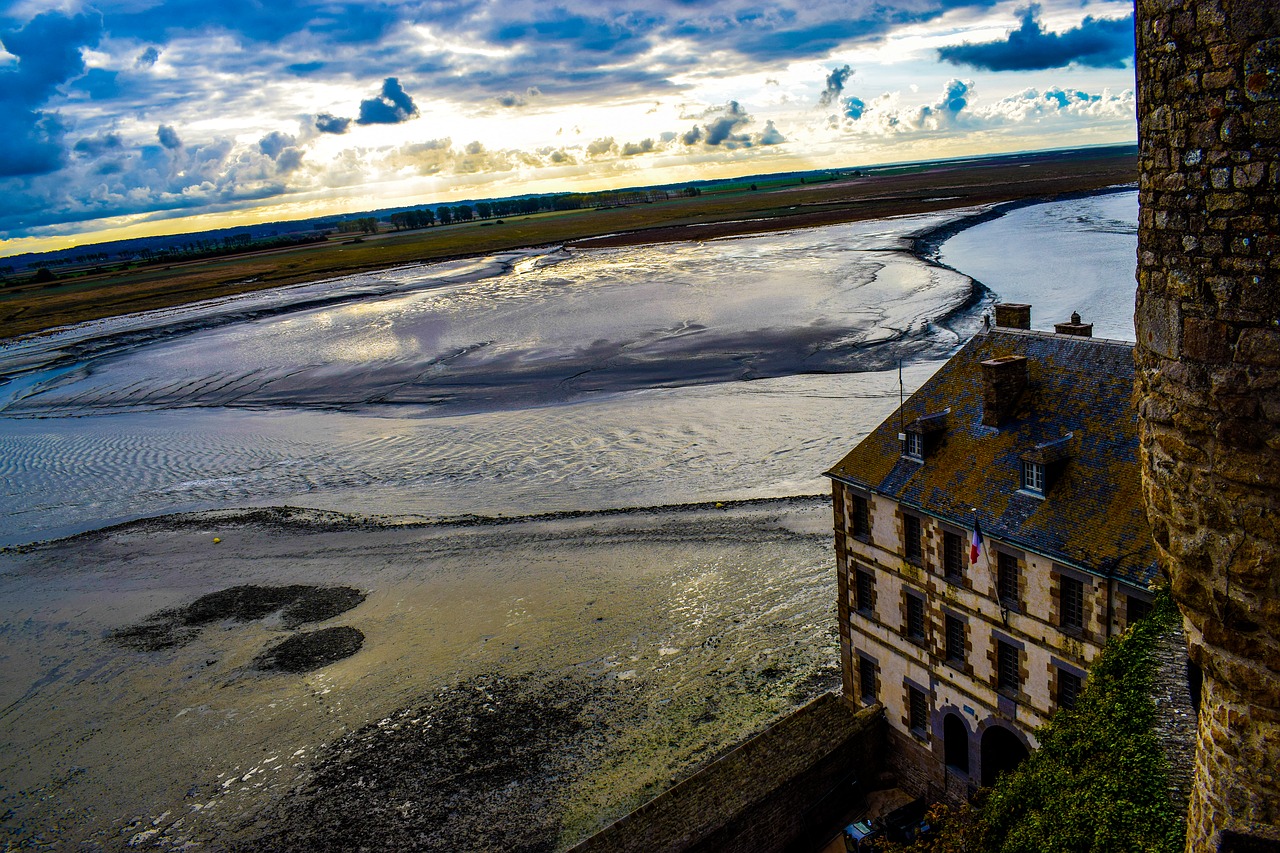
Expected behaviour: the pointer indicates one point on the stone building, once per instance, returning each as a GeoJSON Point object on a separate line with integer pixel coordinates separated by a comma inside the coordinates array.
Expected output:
{"type": "Point", "coordinates": [1208, 381]}
{"type": "Point", "coordinates": [1032, 437]}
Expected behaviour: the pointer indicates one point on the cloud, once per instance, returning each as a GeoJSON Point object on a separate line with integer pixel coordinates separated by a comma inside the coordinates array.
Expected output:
{"type": "Point", "coordinates": [631, 149]}
{"type": "Point", "coordinates": [147, 58]}
{"type": "Point", "coordinates": [853, 107]}
{"type": "Point", "coordinates": [513, 99]}
{"type": "Point", "coordinates": [393, 106]}
{"type": "Point", "coordinates": [48, 52]}
{"type": "Point", "coordinates": [97, 146]}
{"type": "Point", "coordinates": [1032, 106]}
{"type": "Point", "coordinates": [721, 130]}
{"type": "Point", "coordinates": [770, 135]}
{"type": "Point", "coordinates": [600, 147]}
{"type": "Point", "coordinates": [692, 136]}
{"type": "Point", "coordinates": [954, 110]}
{"type": "Point", "coordinates": [168, 136]}
{"type": "Point", "coordinates": [326, 123]}
{"type": "Point", "coordinates": [835, 85]}
{"type": "Point", "coordinates": [274, 144]}
{"type": "Point", "coordinates": [1096, 43]}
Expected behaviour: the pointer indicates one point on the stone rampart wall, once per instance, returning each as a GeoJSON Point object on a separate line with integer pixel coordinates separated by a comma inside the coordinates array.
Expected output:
{"type": "Point", "coordinates": [783, 790]}
{"type": "Point", "coordinates": [1208, 357]}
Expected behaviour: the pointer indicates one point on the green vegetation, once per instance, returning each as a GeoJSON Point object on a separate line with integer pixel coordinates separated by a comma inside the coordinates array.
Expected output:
{"type": "Point", "coordinates": [1099, 781]}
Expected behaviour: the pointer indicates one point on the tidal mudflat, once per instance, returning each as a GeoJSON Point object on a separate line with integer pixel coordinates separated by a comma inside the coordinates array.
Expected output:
{"type": "Point", "coordinates": [519, 683]}
{"type": "Point", "coordinates": [545, 637]}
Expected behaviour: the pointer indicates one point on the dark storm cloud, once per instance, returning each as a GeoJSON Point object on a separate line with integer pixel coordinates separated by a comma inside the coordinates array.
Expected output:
{"type": "Point", "coordinates": [168, 137]}
{"type": "Point", "coordinates": [274, 143]}
{"type": "Point", "coordinates": [1096, 43]}
{"type": "Point", "coordinates": [393, 106]}
{"type": "Point", "coordinates": [721, 130]}
{"type": "Point", "coordinates": [48, 52]}
{"type": "Point", "coordinates": [326, 123]}
{"type": "Point", "coordinates": [692, 136]}
{"type": "Point", "coordinates": [254, 21]}
{"type": "Point", "coordinates": [618, 36]}
{"type": "Point", "coordinates": [835, 85]}
{"type": "Point", "coordinates": [96, 146]}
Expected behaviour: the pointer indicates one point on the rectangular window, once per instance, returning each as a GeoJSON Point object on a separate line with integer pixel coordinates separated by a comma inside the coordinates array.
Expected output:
{"type": "Point", "coordinates": [911, 538]}
{"type": "Point", "coordinates": [915, 445]}
{"type": "Point", "coordinates": [1136, 609]}
{"type": "Point", "coordinates": [1033, 477]}
{"type": "Point", "coordinates": [860, 516]}
{"type": "Point", "coordinates": [1007, 580]}
{"type": "Point", "coordinates": [915, 618]}
{"type": "Point", "coordinates": [865, 592]}
{"type": "Point", "coordinates": [955, 641]}
{"type": "Point", "coordinates": [917, 710]}
{"type": "Point", "coordinates": [1007, 678]}
{"type": "Point", "coordinates": [867, 680]}
{"type": "Point", "coordinates": [1072, 603]}
{"type": "Point", "coordinates": [1068, 689]}
{"type": "Point", "coordinates": [952, 556]}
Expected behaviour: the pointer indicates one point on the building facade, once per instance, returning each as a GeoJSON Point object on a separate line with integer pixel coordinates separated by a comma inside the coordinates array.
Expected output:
{"type": "Point", "coordinates": [1031, 439]}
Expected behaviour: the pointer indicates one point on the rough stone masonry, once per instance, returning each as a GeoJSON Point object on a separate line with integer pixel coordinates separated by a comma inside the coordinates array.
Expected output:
{"type": "Point", "coordinates": [1208, 386]}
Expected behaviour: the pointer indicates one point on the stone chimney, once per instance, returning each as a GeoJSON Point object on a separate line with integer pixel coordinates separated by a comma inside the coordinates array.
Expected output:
{"type": "Point", "coordinates": [1013, 315]}
{"type": "Point", "coordinates": [1003, 380]}
{"type": "Point", "coordinates": [1075, 327]}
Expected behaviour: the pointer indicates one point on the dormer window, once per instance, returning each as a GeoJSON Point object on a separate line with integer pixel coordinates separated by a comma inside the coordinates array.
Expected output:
{"type": "Point", "coordinates": [1033, 477]}
{"type": "Point", "coordinates": [922, 436]}
{"type": "Point", "coordinates": [1044, 464]}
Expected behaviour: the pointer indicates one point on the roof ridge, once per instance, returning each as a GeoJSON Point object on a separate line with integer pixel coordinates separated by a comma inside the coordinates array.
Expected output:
{"type": "Point", "coordinates": [1039, 333]}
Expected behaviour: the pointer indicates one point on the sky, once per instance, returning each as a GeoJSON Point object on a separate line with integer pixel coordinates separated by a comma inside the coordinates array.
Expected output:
{"type": "Point", "coordinates": [144, 117]}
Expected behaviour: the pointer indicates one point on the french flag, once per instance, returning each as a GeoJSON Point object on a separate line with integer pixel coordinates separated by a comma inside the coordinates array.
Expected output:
{"type": "Point", "coordinates": [975, 544]}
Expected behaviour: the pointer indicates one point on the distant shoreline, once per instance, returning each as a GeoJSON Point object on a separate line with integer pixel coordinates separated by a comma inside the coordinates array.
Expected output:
{"type": "Point", "coordinates": [31, 308]}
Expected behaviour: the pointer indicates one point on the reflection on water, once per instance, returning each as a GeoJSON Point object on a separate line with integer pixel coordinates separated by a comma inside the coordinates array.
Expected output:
{"type": "Point", "coordinates": [1077, 255]}
{"type": "Point", "coordinates": [524, 382]}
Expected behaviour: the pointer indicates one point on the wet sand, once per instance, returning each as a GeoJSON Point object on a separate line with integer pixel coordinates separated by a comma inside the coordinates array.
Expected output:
{"type": "Point", "coordinates": [520, 683]}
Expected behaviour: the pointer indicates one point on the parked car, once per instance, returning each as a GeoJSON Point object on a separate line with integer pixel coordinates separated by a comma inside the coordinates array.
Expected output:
{"type": "Point", "coordinates": [903, 825]}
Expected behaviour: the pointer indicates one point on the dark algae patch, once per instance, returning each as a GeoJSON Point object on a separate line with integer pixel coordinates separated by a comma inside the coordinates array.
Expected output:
{"type": "Point", "coordinates": [479, 766]}
{"type": "Point", "coordinates": [312, 650]}
{"type": "Point", "coordinates": [297, 604]}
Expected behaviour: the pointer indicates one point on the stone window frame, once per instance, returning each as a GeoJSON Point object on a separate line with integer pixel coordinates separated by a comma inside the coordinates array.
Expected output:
{"type": "Point", "coordinates": [950, 620]}
{"type": "Point", "coordinates": [1019, 581]}
{"type": "Point", "coordinates": [961, 579]}
{"type": "Point", "coordinates": [867, 608]}
{"type": "Point", "coordinates": [859, 504]}
{"type": "Point", "coordinates": [913, 555]}
{"type": "Point", "coordinates": [1130, 596]}
{"type": "Point", "coordinates": [911, 690]}
{"type": "Point", "coordinates": [865, 660]}
{"type": "Point", "coordinates": [910, 596]}
{"type": "Point", "coordinates": [1059, 668]}
{"type": "Point", "coordinates": [1058, 615]}
{"type": "Point", "coordinates": [1018, 649]}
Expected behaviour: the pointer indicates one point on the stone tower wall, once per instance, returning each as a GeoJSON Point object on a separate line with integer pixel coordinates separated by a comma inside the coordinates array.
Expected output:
{"type": "Point", "coordinates": [1208, 355]}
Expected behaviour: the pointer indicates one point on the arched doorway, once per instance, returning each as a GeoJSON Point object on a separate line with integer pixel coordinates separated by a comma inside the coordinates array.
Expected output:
{"type": "Point", "coordinates": [955, 743]}
{"type": "Point", "coordinates": [1001, 752]}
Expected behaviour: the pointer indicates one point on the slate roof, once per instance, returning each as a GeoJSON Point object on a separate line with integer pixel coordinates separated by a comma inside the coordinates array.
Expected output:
{"type": "Point", "coordinates": [1092, 515]}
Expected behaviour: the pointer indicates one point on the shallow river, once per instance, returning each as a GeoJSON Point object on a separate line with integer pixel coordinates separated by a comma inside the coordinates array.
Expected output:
{"type": "Point", "coordinates": [530, 381]}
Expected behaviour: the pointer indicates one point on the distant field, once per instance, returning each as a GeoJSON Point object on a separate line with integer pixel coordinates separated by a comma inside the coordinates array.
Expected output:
{"type": "Point", "coordinates": [719, 212]}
